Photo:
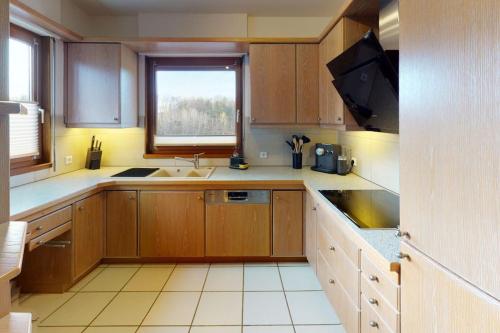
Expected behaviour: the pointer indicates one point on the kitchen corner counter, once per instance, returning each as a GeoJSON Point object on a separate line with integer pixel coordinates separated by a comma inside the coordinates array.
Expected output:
{"type": "Point", "coordinates": [12, 239]}
{"type": "Point", "coordinates": [38, 195]}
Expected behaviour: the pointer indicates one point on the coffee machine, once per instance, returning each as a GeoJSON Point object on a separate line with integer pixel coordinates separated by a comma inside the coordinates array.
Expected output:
{"type": "Point", "coordinates": [326, 157]}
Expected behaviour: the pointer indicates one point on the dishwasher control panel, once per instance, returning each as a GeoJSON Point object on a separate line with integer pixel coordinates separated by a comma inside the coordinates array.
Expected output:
{"type": "Point", "coordinates": [238, 197]}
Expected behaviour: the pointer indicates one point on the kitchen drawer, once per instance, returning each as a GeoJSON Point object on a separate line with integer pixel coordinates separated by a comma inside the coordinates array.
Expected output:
{"type": "Point", "coordinates": [382, 282]}
{"type": "Point", "coordinates": [48, 222]}
{"type": "Point", "coordinates": [380, 305]}
{"type": "Point", "coordinates": [345, 270]}
{"type": "Point", "coordinates": [331, 224]}
{"type": "Point", "coordinates": [48, 236]}
{"type": "Point", "coordinates": [370, 321]}
{"type": "Point", "coordinates": [347, 311]}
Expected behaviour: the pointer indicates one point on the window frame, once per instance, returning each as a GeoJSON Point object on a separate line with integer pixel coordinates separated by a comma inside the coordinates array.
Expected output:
{"type": "Point", "coordinates": [190, 63]}
{"type": "Point", "coordinates": [26, 164]}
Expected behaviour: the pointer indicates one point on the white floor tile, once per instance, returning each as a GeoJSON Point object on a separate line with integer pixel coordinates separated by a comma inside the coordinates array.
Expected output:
{"type": "Point", "coordinates": [124, 265]}
{"type": "Point", "coordinates": [219, 308]}
{"type": "Point", "coordinates": [227, 264]}
{"type": "Point", "coordinates": [320, 329]}
{"type": "Point", "coordinates": [158, 265]}
{"type": "Point", "coordinates": [126, 309]}
{"type": "Point", "coordinates": [186, 279]}
{"type": "Point", "coordinates": [221, 278]}
{"type": "Point", "coordinates": [164, 329]}
{"type": "Point", "coordinates": [83, 282]}
{"type": "Point", "coordinates": [311, 308]}
{"type": "Point", "coordinates": [80, 310]}
{"type": "Point", "coordinates": [293, 264]}
{"type": "Point", "coordinates": [149, 279]}
{"type": "Point", "coordinates": [36, 329]}
{"type": "Point", "coordinates": [111, 279]}
{"type": "Point", "coordinates": [114, 329]}
{"type": "Point", "coordinates": [173, 308]}
{"type": "Point", "coordinates": [41, 305]}
{"type": "Point", "coordinates": [216, 329]}
{"type": "Point", "coordinates": [265, 308]}
{"type": "Point", "coordinates": [268, 329]}
{"type": "Point", "coordinates": [260, 264]}
{"type": "Point", "coordinates": [262, 279]}
{"type": "Point", "coordinates": [299, 278]}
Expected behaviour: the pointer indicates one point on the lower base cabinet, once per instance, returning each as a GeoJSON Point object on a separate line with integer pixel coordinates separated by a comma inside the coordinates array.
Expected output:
{"type": "Point", "coordinates": [288, 224]}
{"type": "Point", "coordinates": [172, 224]}
{"type": "Point", "coordinates": [121, 224]}
{"type": "Point", "coordinates": [434, 300]}
{"type": "Point", "coordinates": [88, 233]}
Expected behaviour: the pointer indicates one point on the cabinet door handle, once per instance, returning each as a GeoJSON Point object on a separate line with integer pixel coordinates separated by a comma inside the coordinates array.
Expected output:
{"type": "Point", "coordinates": [373, 278]}
{"type": "Point", "coordinates": [402, 255]}
{"type": "Point", "coordinates": [314, 208]}
{"type": "Point", "coordinates": [200, 197]}
{"type": "Point", "coordinates": [39, 228]}
{"type": "Point", "coordinates": [373, 323]}
{"type": "Point", "coordinates": [131, 197]}
{"type": "Point", "coordinates": [331, 281]}
{"type": "Point", "coordinates": [332, 248]}
{"type": "Point", "coordinates": [80, 208]}
{"type": "Point", "coordinates": [372, 301]}
{"type": "Point", "coordinates": [404, 234]}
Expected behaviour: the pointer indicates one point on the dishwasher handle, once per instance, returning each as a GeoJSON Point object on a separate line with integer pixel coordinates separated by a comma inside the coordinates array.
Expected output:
{"type": "Point", "coordinates": [236, 196]}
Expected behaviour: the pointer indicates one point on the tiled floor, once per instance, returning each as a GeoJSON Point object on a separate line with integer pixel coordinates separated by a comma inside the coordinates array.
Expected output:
{"type": "Point", "coordinates": [190, 298]}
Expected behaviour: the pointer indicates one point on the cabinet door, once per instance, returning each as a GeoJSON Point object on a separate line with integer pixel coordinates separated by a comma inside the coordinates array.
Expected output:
{"type": "Point", "coordinates": [287, 223]}
{"type": "Point", "coordinates": [93, 83]}
{"type": "Point", "coordinates": [307, 84]}
{"type": "Point", "coordinates": [434, 300]}
{"type": "Point", "coordinates": [88, 233]}
{"type": "Point", "coordinates": [311, 240]}
{"type": "Point", "coordinates": [121, 224]}
{"type": "Point", "coordinates": [272, 77]}
{"type": "Point", "coordinates": [172, 224]}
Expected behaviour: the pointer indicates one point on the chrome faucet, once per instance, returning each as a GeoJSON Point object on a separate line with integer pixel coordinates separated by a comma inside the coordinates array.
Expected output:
{"type": "Point", "coordinates": [195, 160]}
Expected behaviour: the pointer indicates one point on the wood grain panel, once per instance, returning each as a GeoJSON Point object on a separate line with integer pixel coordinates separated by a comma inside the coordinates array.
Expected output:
{"type": "Point", "coordinates": [371, 322]}
{"type": "Point", "coordinates": [238, 230]}
{"type": "Point", "coordinates": [311, 248]}
{"type": "Point", "coordinates": [272, 76]}
{"type": "Point", "coordinates": [380, 305]}
{"type": "Point", "coordinates": [121, 224]}
{"type": "Point", "coordinates": [48, 222]}
{"type": "Point", "coordinates": [171, 224]}
{"type": "Point", "coordinates": [307, 83]}
{"type": "Point", "coordinates": [380, 280]}
{"type": "Point", "coordinates": [48, 236]}
{"type": "Point", "coordinates": [449, 90]}
{"type": "Point", "coordinates": [435, 300]}
{"type": "Point", "coordinates": [88, 233]}
{"type": "Point", "coordinates": [288, 223]}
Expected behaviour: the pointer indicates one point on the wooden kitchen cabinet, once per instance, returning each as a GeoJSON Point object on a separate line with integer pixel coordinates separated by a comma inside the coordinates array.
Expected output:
{"type": "Point", "coordinates": [307, 57]}
{"type": "Point", "coordinates": [311, 247]}
{"type": "Point", "coordinates": [88, 233]}
{"type": "Point", "coordinates": [172, 224]}
{"type": "Point", "coordinates": [272, 76]}
{"type": "Point", "coordinates": [288, 224]}
{"type": "Point", "coordinates": [101, 85]}
{"type": "Point", "coordinates": [436, 300]}
{"type": "Point", "coordinates": [344, 34]}
{"type": "Point", "coordinates": [121, 224]}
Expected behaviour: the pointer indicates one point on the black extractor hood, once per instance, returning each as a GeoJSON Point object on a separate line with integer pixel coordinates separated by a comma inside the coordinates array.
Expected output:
{"type": "Point", "coordinates": [366, 77]}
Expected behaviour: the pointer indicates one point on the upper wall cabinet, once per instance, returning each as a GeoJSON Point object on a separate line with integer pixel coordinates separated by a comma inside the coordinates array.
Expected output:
{"type": "Point", "coordinates": [101, 85]}
{"type": "Point", "coordinates": [331, 107]}
{"type": "Point", "coordinates": [284, 84]}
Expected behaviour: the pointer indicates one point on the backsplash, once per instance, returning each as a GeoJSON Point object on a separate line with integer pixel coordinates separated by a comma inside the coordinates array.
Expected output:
{"type": "Point", "coordinates": [377, 156]}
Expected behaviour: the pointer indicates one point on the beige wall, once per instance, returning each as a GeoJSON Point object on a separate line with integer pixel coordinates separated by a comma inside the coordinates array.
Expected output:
{"type": "Point", "coordinates": [377, 156]}
{"type": "Point", "coordinates": [259, 26]}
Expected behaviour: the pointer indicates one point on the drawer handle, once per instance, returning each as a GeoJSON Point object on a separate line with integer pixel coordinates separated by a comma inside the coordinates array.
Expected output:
{"type": "Point", "coordinates": [372, 301]}
{"type": "Point", "coordinates": [402, 255]}
{"type": "Point", "coordinates": [200, 197]}
{"type": "Point", "coordinates": [131, 197]}
{"type": "Point", "coordinates": [373, 278]}
{"type": "Point", "coordinates": [314, 208]}
{"type": "Point", "coordinates": [332, 248]}
{"type": "Point", "coordinates": [331, 281]}
{"type": "Point", "coordinates": [404, 234]}
{"type": "Point", "coordinates": [40, 242]}
{"type": "Point", "coordinates": [39, 228]}
{"type": "Point", "coordinates": [80, 208]}
{"type": "Point", "coordinates": [373, 323]}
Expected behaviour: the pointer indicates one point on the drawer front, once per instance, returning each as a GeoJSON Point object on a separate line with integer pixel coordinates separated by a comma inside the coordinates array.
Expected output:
{"type": "Point", "coordinates": [331, 224]}
{"type": "Point", "coordinates": [48, 222]}
{"type": "Point", "coordinates": [380, 281]}
{"type": "Point", "coordinates": [380, 305]}
{"type": "Point", "coordinates": [370, 321]}
{"type": "Point", "coordinates": [347, 311]}
{"type": "Point", "coordinates": [48, 236]}
{"type": "Point", "coordinates": [347, 273]}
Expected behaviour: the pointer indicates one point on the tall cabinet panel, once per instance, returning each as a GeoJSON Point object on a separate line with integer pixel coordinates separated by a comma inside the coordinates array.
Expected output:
{"type": "Point", "coordinates": [449, 90]}
{"type": "Point", "coordinates": [121, 224]}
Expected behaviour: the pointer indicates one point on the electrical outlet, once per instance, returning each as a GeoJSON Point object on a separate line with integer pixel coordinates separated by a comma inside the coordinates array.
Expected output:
{"type": "Point", "coordinates": [355, 160]}
{"type": "Point", "coordinates": [68, 160]}
{"type": "Point", "coordinates": [263, 154]}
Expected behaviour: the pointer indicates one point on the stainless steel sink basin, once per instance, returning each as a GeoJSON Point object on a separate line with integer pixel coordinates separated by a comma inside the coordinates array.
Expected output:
{"type": "Point", "coordinates": [182, 172]}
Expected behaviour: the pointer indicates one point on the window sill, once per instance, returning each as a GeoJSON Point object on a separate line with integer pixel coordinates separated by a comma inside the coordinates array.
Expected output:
{"type": "Point", "coordinates": [30, 168]}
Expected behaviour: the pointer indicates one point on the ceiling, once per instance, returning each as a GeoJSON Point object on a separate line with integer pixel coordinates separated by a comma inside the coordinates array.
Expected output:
{"type": "Point", "coordinates": [251, 7]}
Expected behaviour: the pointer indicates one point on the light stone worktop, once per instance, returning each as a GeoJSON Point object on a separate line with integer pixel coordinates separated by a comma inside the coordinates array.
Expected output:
{"type": "Point", "coordinates": [35, 195]}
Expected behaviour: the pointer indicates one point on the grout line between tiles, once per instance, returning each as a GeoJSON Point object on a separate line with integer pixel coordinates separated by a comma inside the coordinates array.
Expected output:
{"type": "Point", "coordinates": [243, 299]}
{"type": "Point", "coordinates": [199, 299]}
{"type": "Point", "coordinates": [286, 300]}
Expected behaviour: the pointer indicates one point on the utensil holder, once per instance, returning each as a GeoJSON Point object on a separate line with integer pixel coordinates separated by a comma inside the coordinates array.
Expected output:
{"type": "Point", "coordinates": [93, 161]}
{"type": "Point", "coordinates": [297, 160]}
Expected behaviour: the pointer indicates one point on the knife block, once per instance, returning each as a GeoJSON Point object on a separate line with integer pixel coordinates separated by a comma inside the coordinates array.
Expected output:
{"type": "Point", "coordinates": [93, 161]}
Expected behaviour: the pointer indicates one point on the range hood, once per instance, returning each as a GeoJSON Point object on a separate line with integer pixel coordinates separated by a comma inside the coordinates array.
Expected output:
{"type": "Point", "coordinates": [366, 75]}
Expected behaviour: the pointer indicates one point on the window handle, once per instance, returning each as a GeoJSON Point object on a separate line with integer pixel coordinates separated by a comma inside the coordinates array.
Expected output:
{"type": "Point", "coordinates": [42, 116]}
{"type": "Point", "coordinates": [238, 116]}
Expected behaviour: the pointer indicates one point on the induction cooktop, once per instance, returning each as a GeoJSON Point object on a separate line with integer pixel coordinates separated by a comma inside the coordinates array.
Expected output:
{"type": "Point", "coordinates": [368, 209]}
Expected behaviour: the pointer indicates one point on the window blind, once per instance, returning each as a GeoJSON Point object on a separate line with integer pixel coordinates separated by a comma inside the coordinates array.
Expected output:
{"type": "Point", "coordinates": [25, 132]}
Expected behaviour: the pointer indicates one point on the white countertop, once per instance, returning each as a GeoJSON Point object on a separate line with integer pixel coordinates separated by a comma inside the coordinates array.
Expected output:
{"type": "Point", "coordinates": [41, 193]}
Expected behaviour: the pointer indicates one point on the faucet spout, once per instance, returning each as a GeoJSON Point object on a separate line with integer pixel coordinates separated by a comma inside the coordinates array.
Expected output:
{"type": "Point", "coordinates": [195, 160]}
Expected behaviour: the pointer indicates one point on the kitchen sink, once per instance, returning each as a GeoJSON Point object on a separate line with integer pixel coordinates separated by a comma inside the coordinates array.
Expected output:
{"type": "Point", "coordinates": [182, 172]}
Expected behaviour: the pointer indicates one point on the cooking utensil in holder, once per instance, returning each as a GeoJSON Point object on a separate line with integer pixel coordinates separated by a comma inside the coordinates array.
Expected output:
{"type": "Point", "coordinates": [93, 159]}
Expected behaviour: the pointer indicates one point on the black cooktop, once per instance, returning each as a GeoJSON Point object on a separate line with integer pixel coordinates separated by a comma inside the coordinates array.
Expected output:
{"type": "Point", "coordinates": [368, 209]}
{"type": "Point", "coordinates": [136, 172]}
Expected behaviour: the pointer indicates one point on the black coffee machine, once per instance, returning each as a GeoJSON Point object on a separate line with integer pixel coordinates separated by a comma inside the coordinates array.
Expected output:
{"type": "Point", "coordinates": [326, 157]}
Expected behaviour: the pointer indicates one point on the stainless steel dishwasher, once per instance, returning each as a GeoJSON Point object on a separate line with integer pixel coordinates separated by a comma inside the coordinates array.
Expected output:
{"type": "Point", "coordinates": [238, 223]}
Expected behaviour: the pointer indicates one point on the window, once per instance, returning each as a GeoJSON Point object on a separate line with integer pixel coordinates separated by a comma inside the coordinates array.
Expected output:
{"type": "Point", "coordinates": [194, 105]}
{"type": "Point", "coordinates": [26, 129]}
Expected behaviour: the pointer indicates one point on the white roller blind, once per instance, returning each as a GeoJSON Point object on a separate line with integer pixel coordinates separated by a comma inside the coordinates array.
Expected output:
{"type": "Point", "coordinates": [25, 132]}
